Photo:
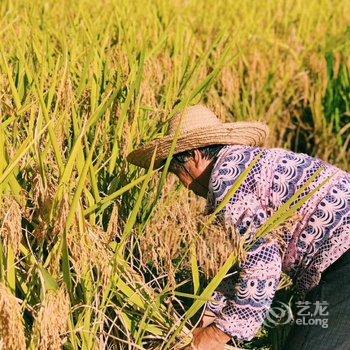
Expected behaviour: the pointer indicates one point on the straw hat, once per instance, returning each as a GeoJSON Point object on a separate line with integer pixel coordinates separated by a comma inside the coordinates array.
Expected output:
{"type": "Point", "coordinates": [199, 127]}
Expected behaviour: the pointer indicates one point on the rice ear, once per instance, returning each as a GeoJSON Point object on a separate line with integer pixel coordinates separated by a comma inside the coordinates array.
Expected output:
{"type": "Point", "coordinates": [11, 229]}
{"type": "Point", "coordinates": [11, 321]}
{"type": "Point", "coordinates": [52, 321]}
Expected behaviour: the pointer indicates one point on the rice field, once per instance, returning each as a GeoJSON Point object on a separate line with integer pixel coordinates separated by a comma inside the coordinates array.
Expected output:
{"type": "Point", "coordinates": [96, 253]}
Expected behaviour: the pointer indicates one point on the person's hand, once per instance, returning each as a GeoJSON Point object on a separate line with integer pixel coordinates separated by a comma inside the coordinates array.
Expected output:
{"type": "Point", "coordinates": [207, 318]}
{"type": "Point", "coordinates": [208, 338]}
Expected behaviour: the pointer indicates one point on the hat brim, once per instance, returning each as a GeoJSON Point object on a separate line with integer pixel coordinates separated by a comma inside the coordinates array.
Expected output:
{"type": "Point", "coordinates": [239, 133]}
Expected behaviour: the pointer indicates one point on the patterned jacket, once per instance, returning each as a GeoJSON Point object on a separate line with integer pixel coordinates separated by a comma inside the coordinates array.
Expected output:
{"type": "Point", "coordinates": [319, 236]}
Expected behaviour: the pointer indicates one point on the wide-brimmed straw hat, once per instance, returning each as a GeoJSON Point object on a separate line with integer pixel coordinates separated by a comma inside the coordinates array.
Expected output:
{"type": "Point", "coordinates": [199, 127]}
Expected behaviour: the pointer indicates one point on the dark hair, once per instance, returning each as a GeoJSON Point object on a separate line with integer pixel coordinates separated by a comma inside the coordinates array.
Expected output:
{"type": "Point", "coordinates": [179, 159]}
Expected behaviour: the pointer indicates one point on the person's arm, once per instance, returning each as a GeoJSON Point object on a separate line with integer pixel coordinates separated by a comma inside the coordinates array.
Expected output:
{"type": "Point", "coordinates": [241, 307]}
{"type": "Point", "coordinates": [243, 315]}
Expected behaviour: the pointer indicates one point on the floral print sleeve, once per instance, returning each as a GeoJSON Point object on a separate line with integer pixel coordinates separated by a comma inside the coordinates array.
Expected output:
{"type": "Point", "coordinates": [241, 311]}
{"type": "Point", "coordinates": [243, 315]}
{"type": "Point", "coordinates": [301, 250]}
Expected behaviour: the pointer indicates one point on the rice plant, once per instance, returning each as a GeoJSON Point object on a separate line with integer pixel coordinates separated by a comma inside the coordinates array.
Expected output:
{"type": "Point", "coordinates": [94, 252]}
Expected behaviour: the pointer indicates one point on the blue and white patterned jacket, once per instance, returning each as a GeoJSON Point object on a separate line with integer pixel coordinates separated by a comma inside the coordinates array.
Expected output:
{"type": "Point", "coordinates": [319, 236]}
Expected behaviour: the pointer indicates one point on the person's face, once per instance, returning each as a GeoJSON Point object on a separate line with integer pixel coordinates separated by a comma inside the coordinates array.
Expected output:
{"type": "Point", "coordinates": [195, 176]}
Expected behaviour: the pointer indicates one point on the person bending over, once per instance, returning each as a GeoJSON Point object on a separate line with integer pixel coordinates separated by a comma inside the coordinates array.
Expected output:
{"type": "Point", "coordinates": [209, 158]}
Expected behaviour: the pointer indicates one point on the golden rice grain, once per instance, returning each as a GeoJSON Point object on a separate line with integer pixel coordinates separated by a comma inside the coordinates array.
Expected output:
{"type": "Point", "coordinates": [11, 321]}
{"type": "Point", "coordinates": [11, 226]}
{"type": "Point", "coordinates": [52, 320]}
